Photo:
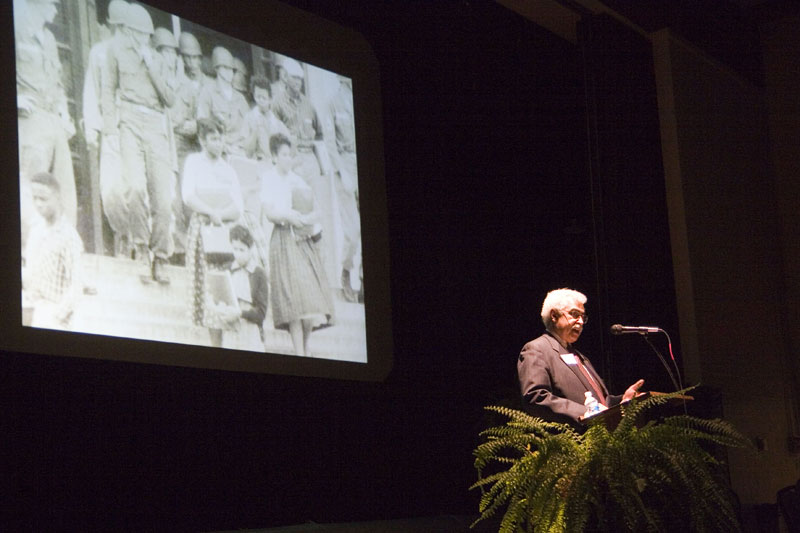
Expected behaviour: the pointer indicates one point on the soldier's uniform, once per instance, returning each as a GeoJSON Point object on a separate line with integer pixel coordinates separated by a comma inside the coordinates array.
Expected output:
{"type": "Point", "coordinates": [137, 92]}
{"type": "Point", "coordinates": [183, 114]}
{"type": "Point", "coordinates": [184, 110]}
{"type": "Point", "coordinates": [226, 105]}
{"type": "Point", "coordinates": [342, 151]}
{"type": "Point", "coordinates": [44, 124]}
{"type": "Point", "coordinates": [300, 117]}
{"type": "Point", "coordinates": [104, 157]}
{"type": "Point", "coordinates": [183, 131]}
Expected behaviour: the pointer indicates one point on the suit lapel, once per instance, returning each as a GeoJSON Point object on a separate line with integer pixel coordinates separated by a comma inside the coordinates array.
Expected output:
{"type": "Point", "coordinates": [560, 350]}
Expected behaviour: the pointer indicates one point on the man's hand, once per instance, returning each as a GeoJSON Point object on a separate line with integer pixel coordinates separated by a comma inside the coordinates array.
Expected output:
{"type": "Point", "coordinates": [632, 390]}
{"type": "Point", "coordinates": [189, 127]}
{"type": "Point", "coordinates": [294, 218]}
{"type": "Point", "coordinates": [146, 53]}
{"type": "Point", "coordinates": [25, 105]}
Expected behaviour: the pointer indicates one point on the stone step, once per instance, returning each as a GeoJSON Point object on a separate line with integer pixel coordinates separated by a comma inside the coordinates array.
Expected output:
{"type": "Point", "coordinates": [122, 280]}
{"type": "Point", "coordinates": [173, 310]}
{"type": "Point", "coordinates": [330, 343]}
{"type": "Point", "coordinates": [124, 306]}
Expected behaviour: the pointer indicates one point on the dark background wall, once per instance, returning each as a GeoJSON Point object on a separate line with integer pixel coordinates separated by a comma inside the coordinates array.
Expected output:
{"type": "Point", "coordinates": [494, 185]}
{"type": "Point", "coordinates": [717, 125]}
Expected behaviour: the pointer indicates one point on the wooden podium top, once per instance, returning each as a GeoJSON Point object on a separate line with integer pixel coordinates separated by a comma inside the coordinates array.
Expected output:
{"type": "Point", "coordinates": [612, 416]}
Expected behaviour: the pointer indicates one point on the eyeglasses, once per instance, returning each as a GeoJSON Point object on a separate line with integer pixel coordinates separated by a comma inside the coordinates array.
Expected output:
{"type": "Point", "coordinates": [575, 314]}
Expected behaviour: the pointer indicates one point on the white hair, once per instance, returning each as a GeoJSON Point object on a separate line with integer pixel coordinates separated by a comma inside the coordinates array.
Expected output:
{"type": "Point", "coordinates": [559, 299]}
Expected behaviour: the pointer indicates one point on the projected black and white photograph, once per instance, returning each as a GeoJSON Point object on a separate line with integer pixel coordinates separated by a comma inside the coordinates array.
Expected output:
{"type": "Point", "coordinates": [180, 185]}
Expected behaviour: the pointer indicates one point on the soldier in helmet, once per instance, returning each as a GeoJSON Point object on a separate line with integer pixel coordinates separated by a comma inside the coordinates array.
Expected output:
{"type": "Point", "coordinates": [184, 125]}
{"type": "Point", "coordinates": [166, 45]}
{"type": "Point", "coordinates": [240, 82]}
{"type": "Point", "coordinates": [43, 120]}
{"type": "Point", "coordinates": [192, 81]}
{"type": "Point", "coordinates": [220, 101]}
{"type": "Point", "coordinates": [293, 107]}
{"type": "Point", "coordinates": [136, 94]}
{"type": "Point", "coordinates": [341, 141]}
{"type": "Point", "coordinates": [103, 157]}
{"type": "Point", "coordinates": [192, 59]}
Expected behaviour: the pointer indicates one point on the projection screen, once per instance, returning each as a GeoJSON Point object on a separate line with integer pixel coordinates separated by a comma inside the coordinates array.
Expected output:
{"type": "Point", "coordinates": [197, 194]}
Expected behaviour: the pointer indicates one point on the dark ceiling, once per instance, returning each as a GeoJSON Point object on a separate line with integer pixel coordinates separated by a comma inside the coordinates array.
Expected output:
{"type": "Point", "coordinates": [728, 30]}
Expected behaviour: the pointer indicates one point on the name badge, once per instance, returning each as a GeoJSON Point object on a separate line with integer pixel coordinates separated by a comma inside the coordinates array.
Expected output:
{"type": "Point", "coordinates": [569, 358]}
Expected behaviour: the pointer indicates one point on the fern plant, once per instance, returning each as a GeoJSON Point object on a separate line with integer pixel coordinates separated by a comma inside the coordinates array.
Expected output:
{"type": "Point", "coordinates": [660, 476]}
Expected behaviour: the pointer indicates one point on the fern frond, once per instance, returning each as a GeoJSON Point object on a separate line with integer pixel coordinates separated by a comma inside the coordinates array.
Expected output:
{"type": "Point", "coordinates": [715, 430]}
{"type": "Point", "coordinates": [652, 477]}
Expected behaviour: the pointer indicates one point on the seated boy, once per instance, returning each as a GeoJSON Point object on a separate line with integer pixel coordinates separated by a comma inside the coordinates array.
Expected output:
{"type": "Point", "coordinates": [252, 292]}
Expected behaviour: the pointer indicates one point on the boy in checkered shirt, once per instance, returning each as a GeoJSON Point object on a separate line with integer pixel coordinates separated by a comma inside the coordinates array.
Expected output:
{"type": "Point", "coordinates": [50, 280]}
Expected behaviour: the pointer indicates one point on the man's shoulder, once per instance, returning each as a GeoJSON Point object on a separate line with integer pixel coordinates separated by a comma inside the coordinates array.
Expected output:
{"type": "Point", "coordinates": [240, 101]}
{"type": "Point", "coordinates": [540, 345]}
{"type": "Point", "coordinates": [117, 46]}
{"type": "Point", "coordinates": [542, 340]}
{"type": "Point", "coordinates": [208, 91]}
{"type": "Point", "coordinates": [64, 235]}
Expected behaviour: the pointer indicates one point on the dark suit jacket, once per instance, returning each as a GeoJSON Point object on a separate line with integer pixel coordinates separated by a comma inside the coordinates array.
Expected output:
{"type": "Point", "coordinates": [552, 389]}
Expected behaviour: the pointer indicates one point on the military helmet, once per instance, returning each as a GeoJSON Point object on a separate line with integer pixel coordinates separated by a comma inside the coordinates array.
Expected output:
{"type": "Point", "coordinates": [220, 57]}
{"type": "Point", "coordinates": [117, 12]}
{"type": "Point", "coordinates": [188, 45]}
{"type": "Point", "coordinates": [164, 37]}
{"type": "Point", "coordinates": [139, 19]}
{"type": "Point", "coordinates": [292, 67]}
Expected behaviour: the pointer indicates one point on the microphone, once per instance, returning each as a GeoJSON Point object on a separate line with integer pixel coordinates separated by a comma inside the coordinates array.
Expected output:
{"type": "Point", "coordinates": [618, 329]}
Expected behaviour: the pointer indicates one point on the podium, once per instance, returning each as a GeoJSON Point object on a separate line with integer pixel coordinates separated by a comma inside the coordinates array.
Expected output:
{"type": "Point", "coordinates": [612, 416]}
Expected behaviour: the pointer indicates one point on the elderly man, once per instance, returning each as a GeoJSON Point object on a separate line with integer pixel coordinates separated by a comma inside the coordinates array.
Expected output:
{"type": "Point", "coordinates": [553, 375]}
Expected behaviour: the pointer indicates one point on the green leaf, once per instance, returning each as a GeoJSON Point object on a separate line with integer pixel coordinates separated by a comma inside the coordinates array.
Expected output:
{"type": "Point", "coordinates": [545, 476]}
